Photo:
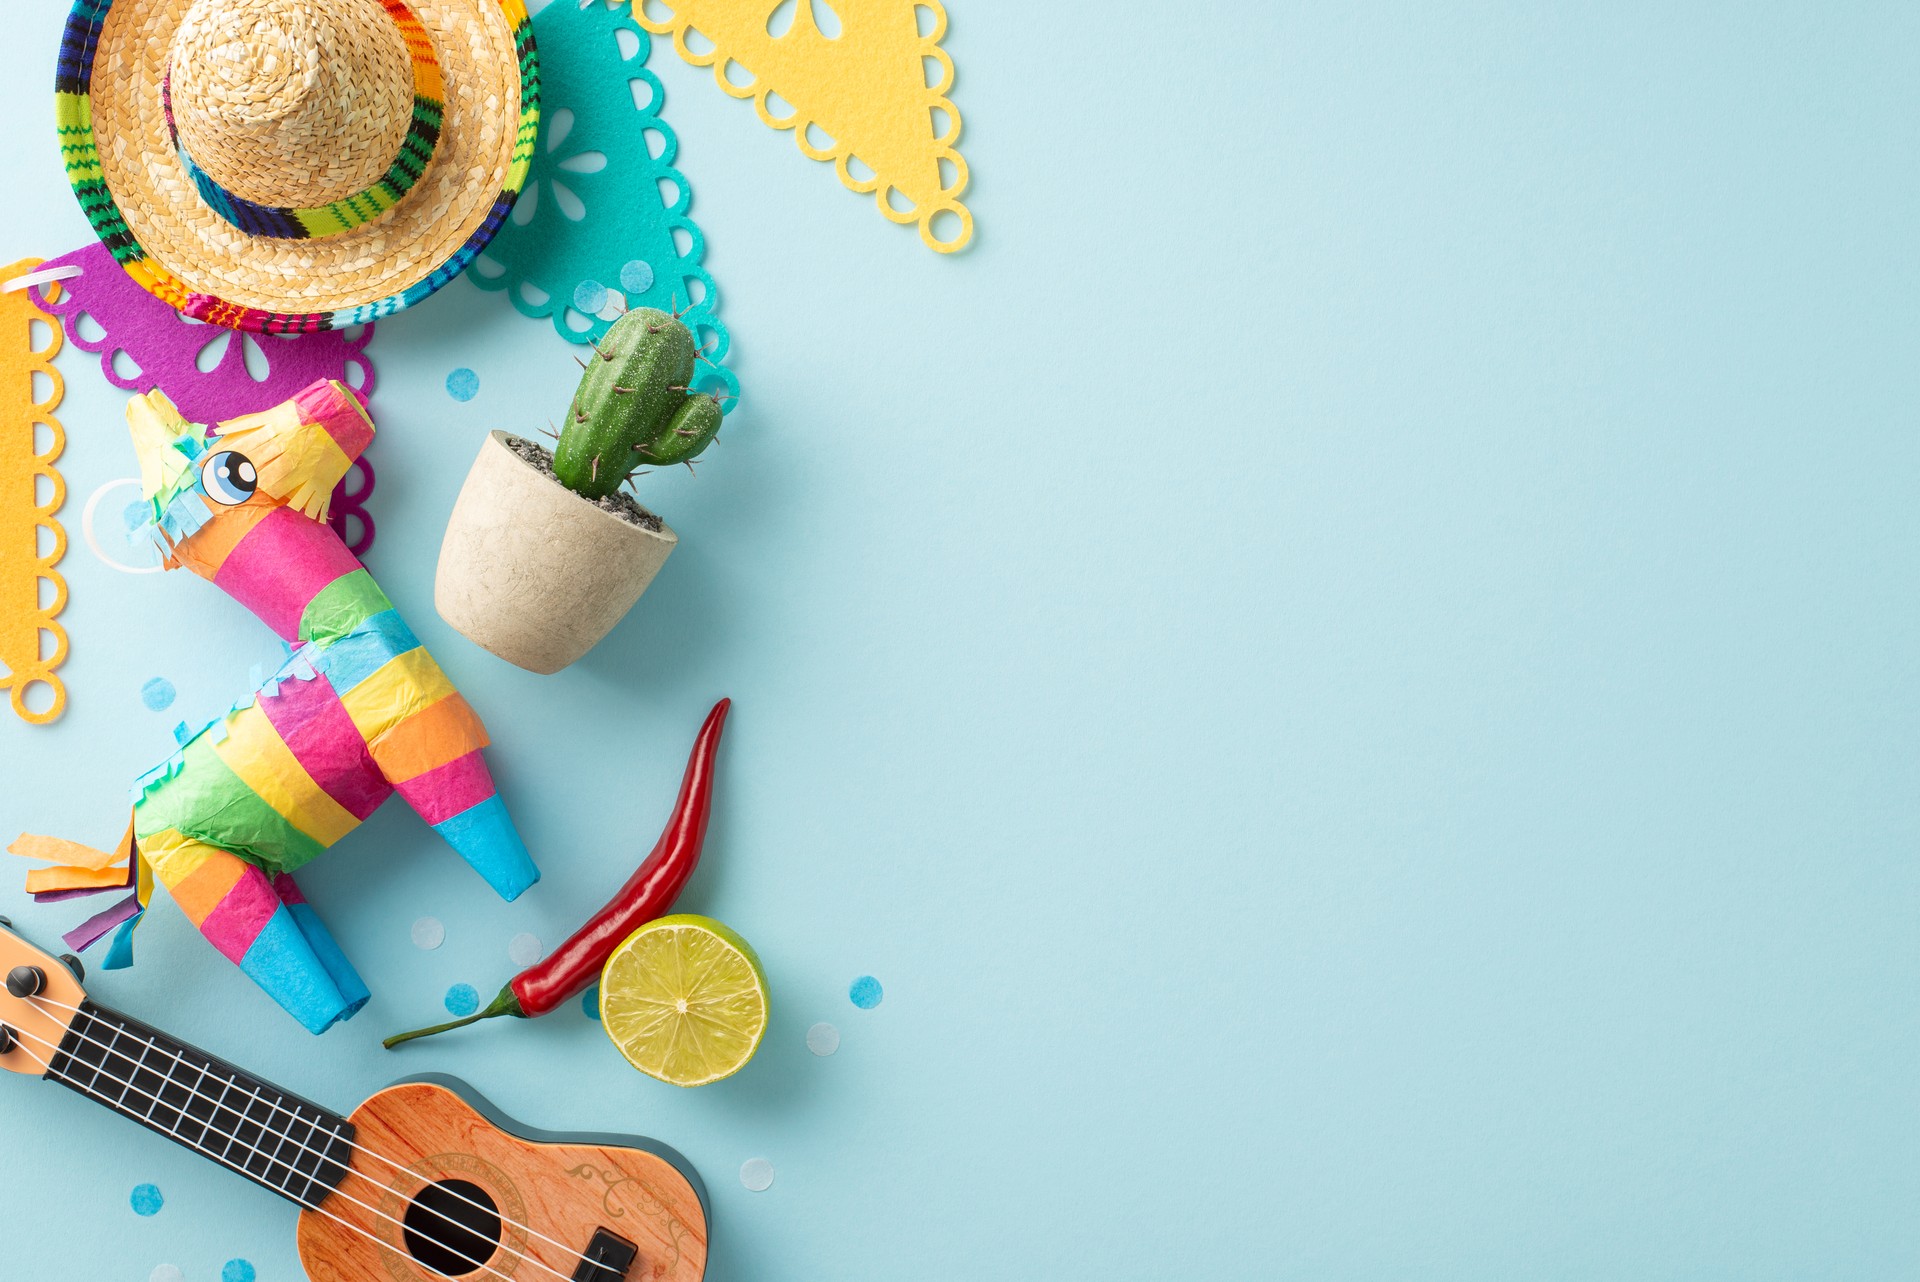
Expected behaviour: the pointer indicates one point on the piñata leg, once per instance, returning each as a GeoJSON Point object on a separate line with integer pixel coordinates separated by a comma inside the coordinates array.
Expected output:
{"type": "Point", "coordinates": [432, 758]}
{"type": "Point", "coordinates": [279, 945]}
{"type": "Point", "coordinates": [421, 734]}
{"type": "Point", "coordinates": [345, 978]}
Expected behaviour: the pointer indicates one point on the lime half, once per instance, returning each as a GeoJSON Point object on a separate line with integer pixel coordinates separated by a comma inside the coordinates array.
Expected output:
{"type": "Point", "coordinates": [685, 1000]}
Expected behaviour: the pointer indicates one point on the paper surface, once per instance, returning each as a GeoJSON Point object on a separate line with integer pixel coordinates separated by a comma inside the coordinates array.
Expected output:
{"type": "Point", "coordinates": [593, 234]}
{"type": "Point", "coordinates": [859, 97]}
{"type": "Point", "coordinates": [32, 590]}
{"type": "Point", "coordinates": [209, 373]}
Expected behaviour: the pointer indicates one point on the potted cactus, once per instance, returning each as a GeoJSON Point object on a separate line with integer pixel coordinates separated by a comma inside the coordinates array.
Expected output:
{"type": "Point", "coordinates": [545, 552]}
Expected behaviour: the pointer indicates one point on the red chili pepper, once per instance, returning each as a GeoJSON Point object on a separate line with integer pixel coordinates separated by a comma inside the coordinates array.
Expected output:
{"type": "Point", "coordinates": [573, 967]}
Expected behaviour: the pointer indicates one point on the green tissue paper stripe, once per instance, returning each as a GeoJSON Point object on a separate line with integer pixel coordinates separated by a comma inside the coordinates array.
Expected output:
{"type": "Point", "coordinates": [207, 801]}
{"type": "Point", "coordinates": [342, 606]}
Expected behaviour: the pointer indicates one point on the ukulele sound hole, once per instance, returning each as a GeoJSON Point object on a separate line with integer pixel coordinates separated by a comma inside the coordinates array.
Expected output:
{"type": "Point", "coordinates": [452, 1228]}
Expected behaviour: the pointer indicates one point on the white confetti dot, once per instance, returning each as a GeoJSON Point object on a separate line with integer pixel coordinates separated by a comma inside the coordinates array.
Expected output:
{"type": "Point", "coordinates": [524, 949]}
{"type": "Point", "coordinates": [823, 1039]}
{"type": "Point", "coordinates": [429, 933]}
{"type": "Point", "coordinates": [165, 1273]}
{"type": "Point", "coordinates": [757, 1174]}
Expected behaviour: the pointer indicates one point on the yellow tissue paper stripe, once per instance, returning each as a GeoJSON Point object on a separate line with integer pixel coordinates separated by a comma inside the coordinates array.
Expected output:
{"type": "Point", "coordinates": [394, 691]}
{"type": "Point", "coordinates": [254, 751]}
{"type": "Point", "coordinates": [180, 858]}
{"type": "Point", "coordinates": [301, 466]}
{"type": "Point", "coordinates": [24, 620]}
{"type": "Point", "coordinates": [155, 425]}
{"type": "Point", "coordinates": [865, 88]}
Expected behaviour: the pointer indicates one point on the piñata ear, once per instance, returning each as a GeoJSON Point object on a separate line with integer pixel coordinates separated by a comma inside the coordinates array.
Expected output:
{"type": "Point", "coordinates": [156, 427]}
{"type": "Point", "coordinates": [301, 448]}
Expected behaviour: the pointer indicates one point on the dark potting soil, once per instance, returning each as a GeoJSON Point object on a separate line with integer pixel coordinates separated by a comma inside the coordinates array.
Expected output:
{"type": "Point", "coordinates": [620, 503]}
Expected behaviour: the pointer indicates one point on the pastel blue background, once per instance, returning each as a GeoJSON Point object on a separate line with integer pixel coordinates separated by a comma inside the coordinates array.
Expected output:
{"type": "Point", "coordinates": [1350, 668]}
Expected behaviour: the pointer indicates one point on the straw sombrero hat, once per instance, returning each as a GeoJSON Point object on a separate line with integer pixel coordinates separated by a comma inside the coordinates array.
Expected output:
{"type": "Point", "coordinates": [296, 165]}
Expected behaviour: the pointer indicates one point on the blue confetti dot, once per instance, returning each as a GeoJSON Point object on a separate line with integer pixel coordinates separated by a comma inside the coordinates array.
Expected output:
{"type": "Point", "coordinates": [463, 999]}
{"type": "Point", "coordinates": [636, 277]}
{"type": "Point", "coordinates": [590, 296]}
{"type": "Point", "coordinates": [865, 992]}
{"type": "Point", "coordinates": [157, 693]}
{"type": "Point", "coordinates": [238, 1271]}
{"type": "Point", "coordinates": [590, 1003]}
{"type": "Point", "coordinates": [463, 384]}
{"type": "Point", "coordinates": [146, 1199]}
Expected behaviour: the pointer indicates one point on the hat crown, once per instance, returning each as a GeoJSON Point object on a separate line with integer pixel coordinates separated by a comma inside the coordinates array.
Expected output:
{"type": "Point", "coordinates": [291, 103]}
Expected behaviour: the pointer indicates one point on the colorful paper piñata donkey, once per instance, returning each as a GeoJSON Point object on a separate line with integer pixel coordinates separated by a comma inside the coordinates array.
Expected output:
{"type": "Point", "coordinates": [358, 711]}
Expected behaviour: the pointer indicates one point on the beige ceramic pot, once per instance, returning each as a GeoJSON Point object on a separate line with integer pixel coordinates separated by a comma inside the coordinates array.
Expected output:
{"type": "Point", "coordinates": [532, 571]}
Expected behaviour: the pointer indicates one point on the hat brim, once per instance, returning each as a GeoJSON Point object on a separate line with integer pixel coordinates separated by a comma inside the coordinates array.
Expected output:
{"type": "Point", "coordinates": [146, 209]}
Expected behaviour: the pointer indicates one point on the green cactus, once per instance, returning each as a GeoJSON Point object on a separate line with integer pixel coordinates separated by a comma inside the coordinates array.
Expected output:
{"type": "Point", "coordinates": [635, 406]}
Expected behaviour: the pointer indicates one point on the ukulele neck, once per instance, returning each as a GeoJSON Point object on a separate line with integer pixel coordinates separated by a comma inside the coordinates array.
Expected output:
{"type": "Point", "coordinates": [227, 1115]}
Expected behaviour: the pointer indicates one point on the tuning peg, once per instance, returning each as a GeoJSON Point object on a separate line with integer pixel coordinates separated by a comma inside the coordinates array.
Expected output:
{"type": "Point", "coordinates": [26, 981]}
{"type": "Point", "coordinates": [7, 1039]}
{"type": "Point", "coordinates": [72, 963]}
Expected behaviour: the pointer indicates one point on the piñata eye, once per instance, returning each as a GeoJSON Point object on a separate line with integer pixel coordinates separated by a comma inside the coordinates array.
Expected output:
{"type": "Point", "coordinates": [228, 478]}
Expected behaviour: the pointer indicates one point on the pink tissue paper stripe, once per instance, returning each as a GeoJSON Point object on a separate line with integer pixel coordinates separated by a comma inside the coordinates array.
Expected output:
{"type": "Point", "coordinates": [236, 921]}
{"type": "Point", "coordinates": [341, 416]}
{"type": "Point", "coordinates": [288, 889]}
{"type": "Point", "coordinates": [315, 727]}
{"type": "Point", "coordinates": [449, 790]}
{"type": "Point", "coordinates": [280, 565]}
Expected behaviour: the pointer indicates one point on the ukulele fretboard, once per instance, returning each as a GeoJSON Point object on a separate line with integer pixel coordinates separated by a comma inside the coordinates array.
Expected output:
{"type": "Point", "coordinates": [296, 1148]}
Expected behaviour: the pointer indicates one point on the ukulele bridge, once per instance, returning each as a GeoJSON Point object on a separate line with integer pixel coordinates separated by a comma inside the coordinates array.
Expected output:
{"type": "Point", "coordinates": [606, 1259]}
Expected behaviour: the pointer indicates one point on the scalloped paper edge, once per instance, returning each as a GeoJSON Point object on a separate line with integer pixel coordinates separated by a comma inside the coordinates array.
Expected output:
{"type": "Point", "coordinates": [701, 317]}
{"type": "Point", "coordinates": [930, 203]}
{"type": "Point", "coordinates": [22, 567]}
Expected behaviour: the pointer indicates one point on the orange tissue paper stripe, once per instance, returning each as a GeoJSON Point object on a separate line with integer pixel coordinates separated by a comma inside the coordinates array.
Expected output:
{"type": "Point", "coordinates": [208, 875]}
{"type": "Point", "coordinates": [430, 738]}
{"type": "Point", "coordinates": [42, 880]}
{"type": "Point", "coordinates": [58, 850]}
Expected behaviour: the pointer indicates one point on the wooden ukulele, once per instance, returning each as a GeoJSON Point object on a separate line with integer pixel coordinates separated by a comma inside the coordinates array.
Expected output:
{"type": "Point", "coordinates": [424, 1181]}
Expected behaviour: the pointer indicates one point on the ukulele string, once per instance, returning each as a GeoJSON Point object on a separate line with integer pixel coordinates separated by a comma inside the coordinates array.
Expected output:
{"type": "Point", "coordinates": [222, 1158]}
{"type": "Point", "coordinates": [282, 1108]}
{"type": "Point", "coordinates": [225, 1157]}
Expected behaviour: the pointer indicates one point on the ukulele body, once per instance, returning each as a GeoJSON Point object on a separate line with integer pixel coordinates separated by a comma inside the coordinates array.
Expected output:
{"type": "Point", "coordinates": [425, 1181]}
{"type": "Point", "coordinates": [457, 1151]}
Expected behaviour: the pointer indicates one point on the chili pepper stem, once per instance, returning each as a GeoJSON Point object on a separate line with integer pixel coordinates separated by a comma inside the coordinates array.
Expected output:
{"type": "Point", "coordinates": [504, 1004]}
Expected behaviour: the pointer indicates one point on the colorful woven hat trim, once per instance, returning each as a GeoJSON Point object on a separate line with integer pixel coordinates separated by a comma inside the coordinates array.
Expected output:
{"type": "Point", "coordinates": [416, 149]}
{"type": "Point", "coordinates": [73, 116]}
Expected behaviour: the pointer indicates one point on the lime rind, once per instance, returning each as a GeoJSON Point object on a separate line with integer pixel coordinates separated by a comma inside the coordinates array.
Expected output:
{"type": "Point", "coordinates": [684, 999]}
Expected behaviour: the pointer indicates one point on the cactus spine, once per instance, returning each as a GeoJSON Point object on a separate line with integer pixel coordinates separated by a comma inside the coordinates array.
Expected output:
{"type": "Point", "coordinates": [634, 407]}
